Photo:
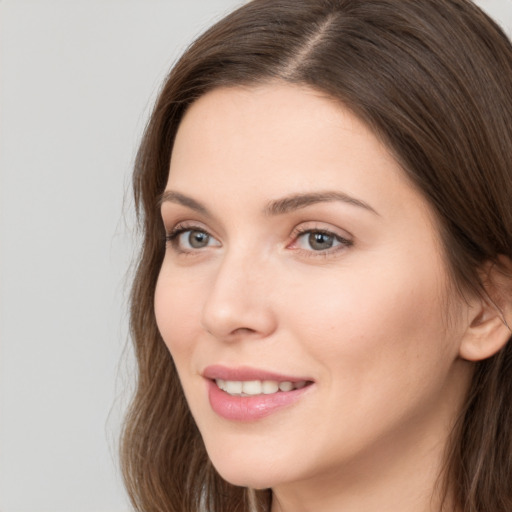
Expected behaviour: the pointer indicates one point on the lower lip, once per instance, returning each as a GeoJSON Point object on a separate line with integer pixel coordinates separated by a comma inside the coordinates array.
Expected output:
{"type": "Point", "coordinates": [250, 408]}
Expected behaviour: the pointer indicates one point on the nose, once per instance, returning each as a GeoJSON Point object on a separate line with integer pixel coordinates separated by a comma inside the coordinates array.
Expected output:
{"type": "Point", "coordinates": [238, 304]}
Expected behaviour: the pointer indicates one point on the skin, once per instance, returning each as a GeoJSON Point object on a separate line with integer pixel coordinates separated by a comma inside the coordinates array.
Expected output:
{"type": "Point", "coordinates": [372, 321]}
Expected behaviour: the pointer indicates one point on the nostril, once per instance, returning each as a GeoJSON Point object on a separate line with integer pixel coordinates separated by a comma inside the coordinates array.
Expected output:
{"type": "Point", "coordinates": [243, 330]}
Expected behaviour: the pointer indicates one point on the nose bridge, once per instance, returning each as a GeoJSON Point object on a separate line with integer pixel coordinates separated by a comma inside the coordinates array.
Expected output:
{"type": "Point", "coordinates": [238, 299]}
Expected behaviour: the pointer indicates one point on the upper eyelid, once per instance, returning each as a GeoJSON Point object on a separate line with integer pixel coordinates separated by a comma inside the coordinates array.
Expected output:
{"type": "Point", "coordinates": [324, 232]}
{"type": "Point", "coordinates": [307, 227]}
{"type": "Point", "coordinates": [186, 225]}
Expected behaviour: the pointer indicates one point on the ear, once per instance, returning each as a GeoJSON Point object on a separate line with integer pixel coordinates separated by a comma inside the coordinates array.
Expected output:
{"type": "Point", "coordinates": [490, 316]}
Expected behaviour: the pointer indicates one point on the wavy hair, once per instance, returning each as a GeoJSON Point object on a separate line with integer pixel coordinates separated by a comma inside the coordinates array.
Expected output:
{"type": "Point", "coordinates": [433, 80]}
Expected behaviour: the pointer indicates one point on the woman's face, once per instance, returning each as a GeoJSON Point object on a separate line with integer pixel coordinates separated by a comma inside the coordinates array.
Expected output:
{"type": "Point", "coordinates": [303, 294]}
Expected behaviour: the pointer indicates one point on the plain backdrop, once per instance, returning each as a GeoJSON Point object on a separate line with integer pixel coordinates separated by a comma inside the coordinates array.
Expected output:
{"type": "Point", "coordinates": [77, 80]}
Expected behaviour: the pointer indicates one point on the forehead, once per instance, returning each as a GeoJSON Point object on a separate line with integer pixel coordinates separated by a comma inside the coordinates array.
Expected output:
{"type": "Point", "coordinates": [272, 131]}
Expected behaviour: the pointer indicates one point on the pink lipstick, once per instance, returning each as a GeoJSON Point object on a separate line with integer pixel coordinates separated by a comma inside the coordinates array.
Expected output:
{"type": "Point", "coordinates": [249, 394]}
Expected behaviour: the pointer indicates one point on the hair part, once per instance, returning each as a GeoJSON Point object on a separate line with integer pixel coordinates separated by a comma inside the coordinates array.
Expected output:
{"type": "Point", "coordinates": [432, 79]}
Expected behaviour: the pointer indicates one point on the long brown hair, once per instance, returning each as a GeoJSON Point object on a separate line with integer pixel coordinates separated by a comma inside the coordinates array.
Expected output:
{"type": "Point", "coordinates": [433, 79]}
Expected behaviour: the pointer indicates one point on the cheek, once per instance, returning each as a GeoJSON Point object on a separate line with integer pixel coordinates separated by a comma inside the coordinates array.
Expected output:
{"type": "Point", "coordinates": [381, 348]}
{"type": "Point", "coordinates": [372, 320]}
{"type": "Point", "coordinates": [176, 311]}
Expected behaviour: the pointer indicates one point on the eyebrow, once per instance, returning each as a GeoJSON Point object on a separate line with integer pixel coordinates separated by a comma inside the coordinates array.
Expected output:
{"type": "Point", "coordinates": [298, 201]}
{"type": "Point", "coordinates": [178, 198]}
{"type": "Point", "coordinates": [274, 207]}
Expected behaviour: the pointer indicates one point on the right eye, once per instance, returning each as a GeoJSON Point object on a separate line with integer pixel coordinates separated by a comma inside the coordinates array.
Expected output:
{"type": "Point", "coordinates": [188, 239]}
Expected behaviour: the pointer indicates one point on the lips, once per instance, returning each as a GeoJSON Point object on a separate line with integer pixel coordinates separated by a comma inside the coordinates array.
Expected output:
{"type": "Point", "coordinates": [249, 394]}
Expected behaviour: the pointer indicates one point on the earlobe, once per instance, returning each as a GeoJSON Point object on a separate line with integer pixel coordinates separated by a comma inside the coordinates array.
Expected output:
{"type": "Point", "coordinates": [490, 317]}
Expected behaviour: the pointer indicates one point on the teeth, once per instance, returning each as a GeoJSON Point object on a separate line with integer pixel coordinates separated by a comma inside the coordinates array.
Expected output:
{"type": "Point", "coordinates": [252, 387]}
{"type": "Point", "coordinates": [269, 387]}
{"type": "Point", "coordinates": [285, 386]}
{"type": "Point", "coordinates": [233, 387]}
{"type": "Point", "coordinates": [257, 387]}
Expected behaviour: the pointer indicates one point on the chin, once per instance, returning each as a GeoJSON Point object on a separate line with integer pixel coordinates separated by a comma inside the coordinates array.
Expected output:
{"type": "Point", "coordinates": [247, 479]}
{"type": "Point", "coordinates": [246, 472]}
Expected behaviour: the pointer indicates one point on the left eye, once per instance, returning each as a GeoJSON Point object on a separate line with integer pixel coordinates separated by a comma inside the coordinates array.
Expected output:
{"type": "Point", "coordinates": [319, 241]}
{"type": "Point", "coordinates": [191, 239]}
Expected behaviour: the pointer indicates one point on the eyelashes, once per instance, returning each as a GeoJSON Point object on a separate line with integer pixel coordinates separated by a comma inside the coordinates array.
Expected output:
{"type": "Point", "coordinates": [319, 241]}
{"type": "Point", "coordinates": [190, 239]}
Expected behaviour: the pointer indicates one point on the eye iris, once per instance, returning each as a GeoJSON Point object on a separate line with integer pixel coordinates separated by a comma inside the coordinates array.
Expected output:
{"type": "Point", "coordinates": [198, 239]}
{"type": "Point", "coordinates": [320, 241]}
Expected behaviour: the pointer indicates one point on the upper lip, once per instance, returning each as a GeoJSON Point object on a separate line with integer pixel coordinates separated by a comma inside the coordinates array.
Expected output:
{"type": "Point", "coordinates": [245, 373]}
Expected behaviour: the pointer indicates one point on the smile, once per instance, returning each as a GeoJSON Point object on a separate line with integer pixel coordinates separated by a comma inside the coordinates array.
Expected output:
{"type": "Point", "coordinates": [257, 387]}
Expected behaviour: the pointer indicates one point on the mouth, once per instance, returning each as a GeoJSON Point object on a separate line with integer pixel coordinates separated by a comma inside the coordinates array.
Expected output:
{"type": "Point", "coordinates": [248, 394]}
{"type": "Point", "coordinates": [259, 387]}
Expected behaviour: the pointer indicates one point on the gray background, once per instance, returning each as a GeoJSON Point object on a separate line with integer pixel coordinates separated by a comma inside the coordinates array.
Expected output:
{"type": "Point", "coordinates": [77, 81]}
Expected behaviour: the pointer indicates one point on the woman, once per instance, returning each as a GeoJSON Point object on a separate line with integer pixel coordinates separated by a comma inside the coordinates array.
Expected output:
{"type": "Point", "coordinates": [321, 304]}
